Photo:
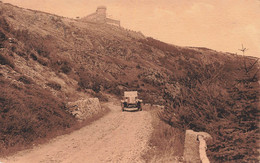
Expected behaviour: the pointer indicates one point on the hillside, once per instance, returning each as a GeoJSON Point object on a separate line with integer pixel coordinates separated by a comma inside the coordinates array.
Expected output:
{"type": "Point", "coordinates": [47, 61]}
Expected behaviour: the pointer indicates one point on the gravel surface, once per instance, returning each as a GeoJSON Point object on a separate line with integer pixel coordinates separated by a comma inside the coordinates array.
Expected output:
{"type": "Point", "coordinates": [117, 137]}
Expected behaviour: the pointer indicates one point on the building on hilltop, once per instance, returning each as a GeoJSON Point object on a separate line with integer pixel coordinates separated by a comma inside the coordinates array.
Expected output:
{"type": "Point", "coordinates": [100, 16]}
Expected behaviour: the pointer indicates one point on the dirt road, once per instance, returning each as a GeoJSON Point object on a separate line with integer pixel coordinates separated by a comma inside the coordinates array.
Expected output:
{"type": "Point", "coordinates": [116, 137]}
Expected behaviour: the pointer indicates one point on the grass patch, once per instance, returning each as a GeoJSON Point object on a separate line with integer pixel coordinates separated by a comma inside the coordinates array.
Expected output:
{"type": "Point", "coordinates": [166, 143]}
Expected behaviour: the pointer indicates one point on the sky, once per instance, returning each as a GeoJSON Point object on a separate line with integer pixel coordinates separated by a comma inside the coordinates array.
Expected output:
{"type": "Point", "coordinates": [222, 25]}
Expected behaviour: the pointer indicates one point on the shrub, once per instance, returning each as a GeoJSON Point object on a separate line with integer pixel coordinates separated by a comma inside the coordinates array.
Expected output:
{"type": "Point", "coordinates": [54, 85]}
{"type": "Point", "coordinates": [25, 80]}
{"type": "Point", "coordinates": [42, 61]}
{"type": "Point", "coordinates": [101, 96]}
{"type": "Point", "coordinates": [65, 68]}
{"type": "Point", "coordinates": [2, 36]}
{"type": "Point", "coordinates": [6, 60]}
{"type": "Point", "coordinates": [34, 57]}
{"type": "Point", "coordinates": [94, 82]}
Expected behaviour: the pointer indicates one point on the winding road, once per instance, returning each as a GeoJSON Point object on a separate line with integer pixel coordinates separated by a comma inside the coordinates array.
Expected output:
{"type": "Point", "coordinates": [116, 137]}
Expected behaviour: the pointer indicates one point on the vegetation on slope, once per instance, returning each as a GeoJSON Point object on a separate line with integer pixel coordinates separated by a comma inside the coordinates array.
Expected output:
{"type": "Point", "coordinates": [166, 142]}
{"type": "Point", "coordinates": [217, 94]}
{"type": "Point", "coordinates": [67, 59]}
{"type": "Point", "coordinates": [222, 100]}
{"type": "Point", "coordinates": [29, 113]}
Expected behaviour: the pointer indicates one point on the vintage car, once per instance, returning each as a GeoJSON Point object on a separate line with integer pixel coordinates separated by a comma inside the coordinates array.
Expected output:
{"type": "Point", "coordinates": [131, 102]}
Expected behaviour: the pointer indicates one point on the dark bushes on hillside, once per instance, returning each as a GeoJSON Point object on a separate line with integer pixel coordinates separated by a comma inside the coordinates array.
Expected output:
{"type": "Point", "coordinates": [34, 57]}
{"type": "Point", "coordinates": [97, 83]}
{"type": "Point", "coordinates": [222, 103]}
{"type": "Point", "coordinates": [44, 46]}
{"type": "Point", "coordinates": [6, 60]}
{"type": "Point", "coordinates": [42, 61]}
{"type": "Point", "coordinates": [65, 68]}
{"type": "Point", "coordinates": [29, 114]}
{"type": "Point", "coordinates": [89, 81]}
{"type": "Point", "coordinates": [2, 36]}
{"type": "Point", "coordinates": [54, 85]}
{"type": "Point", "coordinates": [25, 80]}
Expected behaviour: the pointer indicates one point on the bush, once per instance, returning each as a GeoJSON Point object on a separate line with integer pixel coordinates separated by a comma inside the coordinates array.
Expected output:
{"type": "Point", "coordinates": [6, 60]}
{"type": "Point", "coordinates": [42, 61]}
{"type": "Point", "coordinates": [2, 36]}
{"type": "Point", "coordinates": [65, 68]}
{"type": "Point", "coordinates": [25, 80]}
{"type": "Point", "coordinates": [34, 57]}
{"type": "Point", "coordinates": [94, 82]}
{"type": "Point", "coordinates": [101, 97]}
{"type": "Point", "coordinates": [54, 85]}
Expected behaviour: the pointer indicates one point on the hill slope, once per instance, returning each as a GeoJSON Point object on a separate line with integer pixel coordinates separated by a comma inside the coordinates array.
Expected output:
{"type": "Point", "coordinates": [47, 61]}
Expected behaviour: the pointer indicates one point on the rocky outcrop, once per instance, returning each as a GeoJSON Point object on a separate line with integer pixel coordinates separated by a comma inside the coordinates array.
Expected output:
{"type": "Point", "coordinates": [85, 108]}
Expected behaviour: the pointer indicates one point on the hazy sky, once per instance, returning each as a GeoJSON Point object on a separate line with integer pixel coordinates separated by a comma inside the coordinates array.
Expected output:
{"type": "Point", "coordinates": [222, 25]}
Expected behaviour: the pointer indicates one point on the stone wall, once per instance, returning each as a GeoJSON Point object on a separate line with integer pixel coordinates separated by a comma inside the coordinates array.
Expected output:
{"type": "Point", "coordinates": [113, 22]}
{"type": "Point", "coordinates": [85, 108]}
{"type": "Point", "coordinates": [192, 146]}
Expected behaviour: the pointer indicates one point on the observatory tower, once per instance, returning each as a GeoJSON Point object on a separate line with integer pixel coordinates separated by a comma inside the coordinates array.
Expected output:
{"type": "Point", "coordinates": [100, 16]}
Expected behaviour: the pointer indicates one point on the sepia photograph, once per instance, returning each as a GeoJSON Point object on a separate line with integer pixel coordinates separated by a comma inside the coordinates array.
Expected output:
{"type": "Point", "coordinates": [129, 81]}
